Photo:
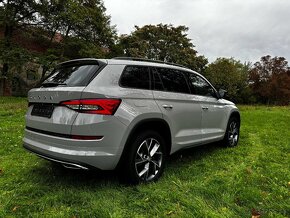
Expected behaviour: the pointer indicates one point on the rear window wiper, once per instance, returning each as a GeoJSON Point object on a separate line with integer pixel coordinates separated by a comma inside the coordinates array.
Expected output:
{"type": "Point", "coordinates": [52, 84]}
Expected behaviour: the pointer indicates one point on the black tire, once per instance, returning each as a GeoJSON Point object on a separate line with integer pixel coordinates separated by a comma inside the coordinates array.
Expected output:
{"type": "Point", "coordinates": [145, 158]}
{"type": "Point", "coordinates": [232, 134]}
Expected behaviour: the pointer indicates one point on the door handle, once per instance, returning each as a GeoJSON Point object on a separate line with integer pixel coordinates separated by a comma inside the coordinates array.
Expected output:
{"type": "Point", "coordinates": [168, 107]}
{"type": "Point", "coordinates": [204, 108]}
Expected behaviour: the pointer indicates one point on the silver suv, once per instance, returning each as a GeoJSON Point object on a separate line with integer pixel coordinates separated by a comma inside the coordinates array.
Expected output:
{"type": "Point", "coordinates": [125, 112]}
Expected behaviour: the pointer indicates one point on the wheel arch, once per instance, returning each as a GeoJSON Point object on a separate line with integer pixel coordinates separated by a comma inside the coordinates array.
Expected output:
{"type": "Point", "coordinates": [235, 114]}
{"type": "Point", "coordinates": [157, 124]}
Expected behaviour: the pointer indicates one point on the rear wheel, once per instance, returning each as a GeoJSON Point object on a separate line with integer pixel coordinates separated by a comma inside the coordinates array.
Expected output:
{"type": "Point", "coordinates": [232, 134]}
{"type": "Point", "coordinates": [145, 159]}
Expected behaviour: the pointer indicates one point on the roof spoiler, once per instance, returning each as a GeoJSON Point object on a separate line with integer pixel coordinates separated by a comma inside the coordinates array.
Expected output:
{"type": "Point", "coordinates": [82, 61]}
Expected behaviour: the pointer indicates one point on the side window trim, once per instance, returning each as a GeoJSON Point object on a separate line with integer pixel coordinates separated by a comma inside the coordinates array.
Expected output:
{"type": "Point", "coordinates": [155, 71]}
{"type": "Point", "coordinates": [187, 81]}
{"type": "Point", "coordinates": [151, 78]}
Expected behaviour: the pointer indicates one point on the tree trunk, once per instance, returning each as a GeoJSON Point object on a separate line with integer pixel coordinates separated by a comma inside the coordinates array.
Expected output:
{"type": "Point", "coordinates": [7, 44]}
{"type": "Point", "coordinates": [6, 86]}
{"type": "Point", "coordinates": [5, 69]}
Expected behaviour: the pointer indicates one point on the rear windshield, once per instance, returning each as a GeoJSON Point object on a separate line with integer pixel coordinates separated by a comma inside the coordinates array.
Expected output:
{"type": "Point", "coordinates": [71, 75]}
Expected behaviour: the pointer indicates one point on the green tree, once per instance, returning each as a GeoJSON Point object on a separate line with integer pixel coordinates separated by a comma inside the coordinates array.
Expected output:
{"type": "Point", "coordinates": [83, 22]}
{"type": "Point", "coordinates": [270, 79]}
{"type": "Point", "coordinates": [15, 15]}
{"type": "Point", "coordinates": [85, 29]}
{"type": "Point", "coordinates": [163, 42]}
{"type": "Point", "coordinates": [231, 75]}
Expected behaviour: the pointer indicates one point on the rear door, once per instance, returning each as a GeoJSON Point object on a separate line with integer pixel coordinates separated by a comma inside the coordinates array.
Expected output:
{"type": "Point", "coordinates": [66, 82]}
{"type": "Point", "coordinates": [180, 109]}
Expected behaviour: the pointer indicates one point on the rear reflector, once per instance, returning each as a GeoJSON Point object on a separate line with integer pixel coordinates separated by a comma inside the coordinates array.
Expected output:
{"type": "Point", "coordinates": [94, 106]}
{"type": "Point", "coordinates": [83, 137]}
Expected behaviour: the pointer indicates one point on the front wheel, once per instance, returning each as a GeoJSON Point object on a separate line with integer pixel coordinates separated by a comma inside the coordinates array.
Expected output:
{"type": "Point", "coordinates": [145, 159]}
{"type": "Point", "coordinates": [232, 134]}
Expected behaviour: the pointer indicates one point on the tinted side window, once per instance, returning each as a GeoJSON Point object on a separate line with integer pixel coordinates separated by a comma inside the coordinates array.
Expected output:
{"type": "Point", "coordinates": [170, 80]}
{"type": "Point", "coordinates": [135, 77]}
{"type": "Point", "coordinates": [200, 86]}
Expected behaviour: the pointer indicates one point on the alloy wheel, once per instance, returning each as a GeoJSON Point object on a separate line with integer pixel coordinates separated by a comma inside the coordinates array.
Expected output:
{"type": "Point", "coordinates": [233, 133]}
{"type": "Point", "coordinates": [148, 159]}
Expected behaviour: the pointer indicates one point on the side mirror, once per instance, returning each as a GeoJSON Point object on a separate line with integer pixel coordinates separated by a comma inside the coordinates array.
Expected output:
{"type": "Point", "coordinates": [222, 93]}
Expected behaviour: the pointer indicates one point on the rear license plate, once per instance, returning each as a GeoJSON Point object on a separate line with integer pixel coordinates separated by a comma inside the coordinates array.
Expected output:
{"type": "Point", "coordinates": [42, 110]}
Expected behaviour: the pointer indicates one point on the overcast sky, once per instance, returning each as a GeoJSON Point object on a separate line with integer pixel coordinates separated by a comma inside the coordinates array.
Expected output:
{"type": "Point", "coordinates": [243, 29]}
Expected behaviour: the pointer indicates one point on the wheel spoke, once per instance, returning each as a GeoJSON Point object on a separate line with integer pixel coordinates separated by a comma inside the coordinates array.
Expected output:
{"type": "Point", "coordinates": [236, 138]}
{"type": "Point", "coordinates": [233, 127]}
{"type": "Point", "coordinates": [145, 170]}
{"type": "Point", "coordinates": [150, 144]}
{"type": "Point", "coordinates": [155, 164]}
{"type": "Point", "coordinates": [141, 147]}
{"type": "Point", "coordinates": [154, 171]}
{"type": "Point", "coordinates": [154, 149]}
{"type": "Point", "coordinates": [140, 162]}
{"type": "Point", "coordinates": [140, 155]}
{"type": "Point", "coordinates": [147, 146]}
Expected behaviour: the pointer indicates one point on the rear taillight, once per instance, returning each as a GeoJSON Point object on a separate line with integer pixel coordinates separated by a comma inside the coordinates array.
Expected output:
{"type": "Point", "coordinates": [94, 106]}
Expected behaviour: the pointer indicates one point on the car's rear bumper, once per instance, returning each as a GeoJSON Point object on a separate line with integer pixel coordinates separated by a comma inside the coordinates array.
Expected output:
{"type": "Point", "coordinates": [67, 163]}
{"type": "Point", "coordinates": [83, 154]}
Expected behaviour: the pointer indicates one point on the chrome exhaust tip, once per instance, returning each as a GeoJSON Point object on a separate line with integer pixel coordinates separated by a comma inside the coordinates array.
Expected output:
{"type": "Point", "coordinates": [74, 166]}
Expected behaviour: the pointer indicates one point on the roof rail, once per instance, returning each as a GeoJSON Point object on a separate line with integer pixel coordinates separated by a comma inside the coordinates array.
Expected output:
{"type": "Point", "coordinates": [148, 60]}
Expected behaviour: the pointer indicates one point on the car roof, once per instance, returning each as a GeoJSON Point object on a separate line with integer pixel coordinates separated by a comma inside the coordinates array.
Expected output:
{"type": "Point", "coordinates": [132, 61]}
{"type": "Point", "coordinates": [147, 62]}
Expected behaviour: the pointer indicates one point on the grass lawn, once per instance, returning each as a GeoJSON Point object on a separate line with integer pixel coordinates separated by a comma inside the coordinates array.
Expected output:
{"type": "Point", "coordinates": [208, 181]}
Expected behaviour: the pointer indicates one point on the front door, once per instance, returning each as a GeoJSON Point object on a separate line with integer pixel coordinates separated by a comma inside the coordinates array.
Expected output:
{"type": "Point", "coordinates": [213, 113]}
{"type": "Point", "coordinates": [213, 116]}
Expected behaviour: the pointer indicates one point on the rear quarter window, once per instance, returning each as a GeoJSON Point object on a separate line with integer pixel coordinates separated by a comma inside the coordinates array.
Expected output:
{"type": "Point", "coordinates": [135, 77]}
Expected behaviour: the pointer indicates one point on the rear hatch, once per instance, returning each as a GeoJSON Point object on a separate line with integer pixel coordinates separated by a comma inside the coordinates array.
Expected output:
{"type": "Point", "coordinates": [66, 82]}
